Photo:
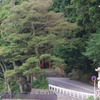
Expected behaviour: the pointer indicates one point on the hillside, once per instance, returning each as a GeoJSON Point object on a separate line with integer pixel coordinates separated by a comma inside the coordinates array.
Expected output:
{"type": "Point", "coordinates": [35, 36]}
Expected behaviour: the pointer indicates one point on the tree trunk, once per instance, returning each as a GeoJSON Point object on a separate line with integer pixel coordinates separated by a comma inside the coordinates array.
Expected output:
{"type": "Point", "coordinates": [6, 80]}
{"type": "Point", "coordinates": [20, 86]}
{"type": "Point", "coordinates": [37, 53]}
{"type": "Point", "coordinates": [8, 85]}
{"type": "Point", "coordinates": [31, 79]}
{"type": "Point", "coordinates": [9, 88]}
{"type": "Point", "coordinates": [14, 64]}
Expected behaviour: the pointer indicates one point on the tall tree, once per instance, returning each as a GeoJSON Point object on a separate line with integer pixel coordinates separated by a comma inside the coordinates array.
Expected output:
{"type": "Point", "coordinates": [93, 49]}
{"type": "Point", "coordinates": [86, 15]}
{"type": "Point", "coordinates": [31, 32]}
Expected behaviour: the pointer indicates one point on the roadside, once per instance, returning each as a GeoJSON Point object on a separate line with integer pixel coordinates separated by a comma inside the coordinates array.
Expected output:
{"type": "Point", "coordinates": [65, 97]}
{"type": "Point", "coordinates": [71, 84]}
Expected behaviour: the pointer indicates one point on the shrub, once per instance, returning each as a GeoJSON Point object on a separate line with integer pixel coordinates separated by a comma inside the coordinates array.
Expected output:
{"type": "Point", "coordinates": [14, 86]}
{"type": "Point", "coordinates": [40, 83]}
{"type": "Point", "coordinates": [1, 85]}
{"type": "Point", "coordinates": [86, 78]}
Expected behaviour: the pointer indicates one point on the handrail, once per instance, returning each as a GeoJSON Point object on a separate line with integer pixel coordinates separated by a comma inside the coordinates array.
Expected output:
{"type": "Point", "coordinates": [72, 93]}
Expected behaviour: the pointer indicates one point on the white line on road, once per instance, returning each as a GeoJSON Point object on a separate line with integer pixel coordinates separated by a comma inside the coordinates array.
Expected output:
{"type": "Point", "coordinates": [72, 84]}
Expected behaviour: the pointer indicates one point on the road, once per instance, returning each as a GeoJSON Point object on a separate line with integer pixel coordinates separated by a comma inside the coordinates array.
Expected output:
{"type": "Point", "coordinates": [71, 84]}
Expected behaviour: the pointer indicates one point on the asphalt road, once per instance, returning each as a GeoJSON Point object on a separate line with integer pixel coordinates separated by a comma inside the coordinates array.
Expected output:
{"type": "Point", "coordinates": [71, 84]}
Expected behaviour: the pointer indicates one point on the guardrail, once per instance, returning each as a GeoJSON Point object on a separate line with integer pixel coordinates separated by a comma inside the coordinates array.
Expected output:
{"type": "Point", "coordinates": [72, 93]}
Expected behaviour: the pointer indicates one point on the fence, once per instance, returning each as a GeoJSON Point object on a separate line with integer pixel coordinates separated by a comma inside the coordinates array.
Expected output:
{"type": "Point", "coordinates": [75, 94]}
{"type": "Point", "coordinates": [35, 95]}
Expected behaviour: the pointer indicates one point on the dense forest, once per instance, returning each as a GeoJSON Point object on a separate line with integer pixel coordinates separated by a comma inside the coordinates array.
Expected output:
{"type": "Point", "coordinates": [64, 32]}
{"type": "Point", "coordinates": [84, 51]}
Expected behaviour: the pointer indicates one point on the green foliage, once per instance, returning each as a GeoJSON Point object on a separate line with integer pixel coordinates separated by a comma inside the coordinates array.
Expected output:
{"type": "Point", "coordinates": [86, 15]}
{"type": "Point", "coordinates": [73, 57]}
{"type": "Point", "coordinates": [86, 77]}
{"type": "Point", "coordinates": [14, 86]}
{"type": "Point", "coordinates": [4, 14]}
{"type": "Point", "coordinates": [28, 33]}
{"type": "Point", "coordinates": [9, 73]}
{"type": "Point", "coordinates": [41, 83]}
{"type": "Point", "coordinates": [59, 5]}
{"type": "Point", "coordinates": [37, 71]}
{"type": "Point", "coordinates": [93, 49]}
{"type": "Point", "coordinates": [56, 61]}
{"type": "Point", "coordinates": [45, 56]}
{"type": "Point", "coordinates": [91, 98]}
{"type": "Point", "coordinates": [1, 86]}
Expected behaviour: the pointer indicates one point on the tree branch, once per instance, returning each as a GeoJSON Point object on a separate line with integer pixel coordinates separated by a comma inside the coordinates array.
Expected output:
{"type": "Point", "coordinates": [33, 30]}
{"type": "Point", "coordinates": [14, 64]}
{"type": "Point", "coordinates": [3, 70]}
{"type": "Point", "coordinates": [4, 65]}
{"type": "Point", "coordinates": [41, 27]}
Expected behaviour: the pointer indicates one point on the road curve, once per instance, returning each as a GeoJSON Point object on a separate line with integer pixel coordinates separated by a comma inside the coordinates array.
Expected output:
{"type": "Point", "coordinates": [71, 84]}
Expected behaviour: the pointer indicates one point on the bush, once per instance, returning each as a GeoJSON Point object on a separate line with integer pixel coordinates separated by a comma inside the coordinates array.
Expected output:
{"type": "Point", "coordinates": [86, 78]}
{"type": "Point", "coordinates": [40, 83]}
{"type": "Point", "coordinates": [14, 86]}
{"type": "Point", "coordinates": [1, 85]}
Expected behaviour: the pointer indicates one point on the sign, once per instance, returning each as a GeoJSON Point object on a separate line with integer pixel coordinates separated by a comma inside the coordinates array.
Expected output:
{"type": "Point", "coordinates": [93, 78]}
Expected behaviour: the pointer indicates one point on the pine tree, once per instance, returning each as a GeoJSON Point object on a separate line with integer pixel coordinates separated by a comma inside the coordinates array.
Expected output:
{"type": "Point", "coordinates": [31, 33]}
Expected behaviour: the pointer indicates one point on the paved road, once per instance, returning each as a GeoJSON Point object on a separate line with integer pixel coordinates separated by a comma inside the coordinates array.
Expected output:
{"type": "Point", "coordinates": [71, 84]}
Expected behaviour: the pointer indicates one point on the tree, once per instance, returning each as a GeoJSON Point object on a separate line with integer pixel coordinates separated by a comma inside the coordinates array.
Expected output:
{"type": "Point", "coordinates": [86, 15]}
{"type": "Point", "coordinates": [59, 5]}
{"type": "Point", "coordinates": [72, 53]}
{"type": "Point", "coordinates": [31, 33]}
{"type": "Point", "coordinates": [93, 49]}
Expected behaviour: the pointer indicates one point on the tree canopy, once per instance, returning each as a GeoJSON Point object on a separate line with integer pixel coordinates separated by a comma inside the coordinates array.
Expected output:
{"type": "Point", "coordinates": [29, 33]}
{"type": "Point", "coordinates": [86, 15]}
{"type": "Point", "coordinates": [63, 32]}
{"type": "Point", "coordinates": [93, 49]}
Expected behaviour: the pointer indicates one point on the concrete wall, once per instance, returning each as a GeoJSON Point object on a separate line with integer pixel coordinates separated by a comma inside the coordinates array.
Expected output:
{"type": "Point", "coordinates": [20, 99]}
